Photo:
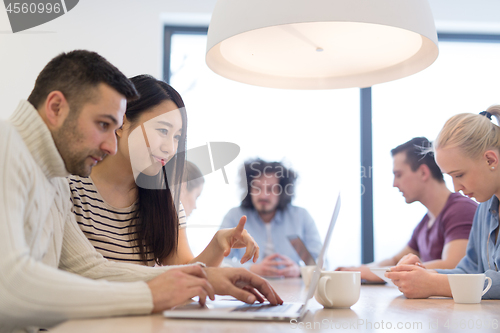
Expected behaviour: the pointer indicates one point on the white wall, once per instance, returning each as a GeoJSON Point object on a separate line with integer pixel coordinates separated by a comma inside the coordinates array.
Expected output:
{"type": "Point", "coordinates": [128, 33]}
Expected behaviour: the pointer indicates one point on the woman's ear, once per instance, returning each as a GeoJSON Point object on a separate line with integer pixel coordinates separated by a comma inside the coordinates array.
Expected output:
{"type": "Point", "coordinates": [491, 157]}
{"type": "Point", "coordinates": [119, 132]}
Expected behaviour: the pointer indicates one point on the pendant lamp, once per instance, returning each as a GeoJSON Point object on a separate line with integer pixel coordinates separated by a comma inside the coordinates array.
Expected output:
{"type": "Point", "coordinates": [320, 44]}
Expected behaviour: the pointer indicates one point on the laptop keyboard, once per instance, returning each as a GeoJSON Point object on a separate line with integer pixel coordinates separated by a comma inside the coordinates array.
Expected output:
{"type": "Point", "coordinates": [263, 307]}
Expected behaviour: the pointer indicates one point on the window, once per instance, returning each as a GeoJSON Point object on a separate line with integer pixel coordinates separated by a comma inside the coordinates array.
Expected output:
{"type": "Point", "coordinates": [317, 134]}
{"type": "Point", "coordinates": [463, 79]}
{"type": "Point", "coordinates": [314, 132]}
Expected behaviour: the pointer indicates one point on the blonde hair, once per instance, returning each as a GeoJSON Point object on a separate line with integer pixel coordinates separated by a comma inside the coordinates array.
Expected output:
{"type": "Point", "coordinates": [472, 133]}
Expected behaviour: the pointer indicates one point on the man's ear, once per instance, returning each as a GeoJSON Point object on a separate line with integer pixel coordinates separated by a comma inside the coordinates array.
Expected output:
{"type": "Point", "coordinates": [425, 172]}
{"type": "Point", "coordinates": [56, 109]}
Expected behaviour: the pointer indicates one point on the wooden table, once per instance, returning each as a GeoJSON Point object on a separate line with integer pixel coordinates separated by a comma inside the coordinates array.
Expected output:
{"type": "Point", "coordinates": [380, 308]}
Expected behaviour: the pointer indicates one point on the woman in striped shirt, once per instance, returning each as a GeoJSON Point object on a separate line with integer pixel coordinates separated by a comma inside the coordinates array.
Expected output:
{"type": "Point", "coordinates": [126, 208]}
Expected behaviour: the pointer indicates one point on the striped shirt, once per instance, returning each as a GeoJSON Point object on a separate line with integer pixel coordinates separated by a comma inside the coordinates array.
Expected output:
{"type": "Point", "coordinates": [108, 228]}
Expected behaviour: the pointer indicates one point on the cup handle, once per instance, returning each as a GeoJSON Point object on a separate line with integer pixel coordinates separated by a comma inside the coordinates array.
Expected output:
{"type": "Point", "coordinates": [322, 288]}
{"type": "Point", "coordinates": [488, 286]}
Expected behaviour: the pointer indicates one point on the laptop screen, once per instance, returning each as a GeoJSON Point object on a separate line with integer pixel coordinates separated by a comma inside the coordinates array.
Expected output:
{"type": "Point", "coordinates": [322, 253]}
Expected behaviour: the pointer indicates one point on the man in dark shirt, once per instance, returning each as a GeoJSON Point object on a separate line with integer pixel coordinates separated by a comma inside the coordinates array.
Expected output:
{"type": "Point", "coordinates": [440, 239]}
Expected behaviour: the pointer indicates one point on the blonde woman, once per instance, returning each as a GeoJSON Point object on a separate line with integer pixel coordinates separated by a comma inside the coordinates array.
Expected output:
{"type": "Point", "coordinates": [468, 149]}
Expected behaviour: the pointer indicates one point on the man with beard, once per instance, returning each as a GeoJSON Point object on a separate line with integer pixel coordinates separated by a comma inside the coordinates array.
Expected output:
{"type": "Point", "coordinates": [49, 271]}
{"type": "Point", "coordinates": [271, 219]}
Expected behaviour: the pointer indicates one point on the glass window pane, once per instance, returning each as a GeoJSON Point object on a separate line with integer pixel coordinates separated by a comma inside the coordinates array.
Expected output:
{"type": "Point", "coordinates": [314, 132]}
{"type": "Point", "coordinates": [463, 79]}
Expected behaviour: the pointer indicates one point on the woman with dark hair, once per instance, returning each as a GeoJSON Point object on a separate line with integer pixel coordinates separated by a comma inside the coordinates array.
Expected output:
{"type": "Point", "coordinates": [126, 208]}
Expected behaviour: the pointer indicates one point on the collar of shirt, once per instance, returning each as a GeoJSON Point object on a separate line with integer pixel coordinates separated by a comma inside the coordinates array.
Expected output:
{"type": "Point", "coordinates": [494, 212]}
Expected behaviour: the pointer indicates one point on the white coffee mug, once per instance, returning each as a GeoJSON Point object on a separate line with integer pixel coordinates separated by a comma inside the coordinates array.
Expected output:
{"type": "Point", "coordinates": [468, 288]}
{"type": "Point", "coordinates": [338, 289]}
{"type": "Point", "coordinates": [306, 273]}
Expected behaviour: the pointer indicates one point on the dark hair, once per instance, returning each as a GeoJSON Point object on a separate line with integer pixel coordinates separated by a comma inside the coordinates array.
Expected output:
{"type": "Point", "coordinates": [76, 74]}
{"type": "Point", "coordinates": [157, 223]}
{"type": "Point", "coordinates": [287, 177]}
{"type": "Point", "coordinates": [192, 176]}
{"type": "Point", "coordinates": [415, 156]}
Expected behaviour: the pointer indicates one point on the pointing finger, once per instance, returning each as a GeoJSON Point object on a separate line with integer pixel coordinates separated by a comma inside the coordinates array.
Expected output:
{"type": "Point", "coordinates": [241, 225]}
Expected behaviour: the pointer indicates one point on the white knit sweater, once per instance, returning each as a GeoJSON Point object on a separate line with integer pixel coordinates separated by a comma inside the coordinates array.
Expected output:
{"type": "Point", "coordinates": [48, 268]}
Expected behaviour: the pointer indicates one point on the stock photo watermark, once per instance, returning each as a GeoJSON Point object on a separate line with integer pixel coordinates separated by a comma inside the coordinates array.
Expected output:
{"type": "Point", "coordinates": [365, 173]}
{"type": "Point", "coordinates": [27, 14]}
{"type": "Point", "coordinates": [363, 324]}
{"type": "Point", "coordinates": [270, 178]}
{"type": "Point", "coordinates": [261, 179]}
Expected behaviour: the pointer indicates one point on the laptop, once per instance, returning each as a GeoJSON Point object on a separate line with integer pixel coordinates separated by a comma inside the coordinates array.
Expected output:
{"type": "Point", "coordinates": [237, 310]}
{"type": "Point", "coordinates": [301, 249]}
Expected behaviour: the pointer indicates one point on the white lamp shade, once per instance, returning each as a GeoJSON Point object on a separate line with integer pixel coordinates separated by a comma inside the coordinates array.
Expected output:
{"type": "Point", "coordinates": [320, 44]}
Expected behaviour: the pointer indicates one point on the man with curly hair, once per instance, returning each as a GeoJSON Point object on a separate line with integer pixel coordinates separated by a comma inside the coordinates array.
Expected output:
{"type": "Point", "coordinates": [271, 219]}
